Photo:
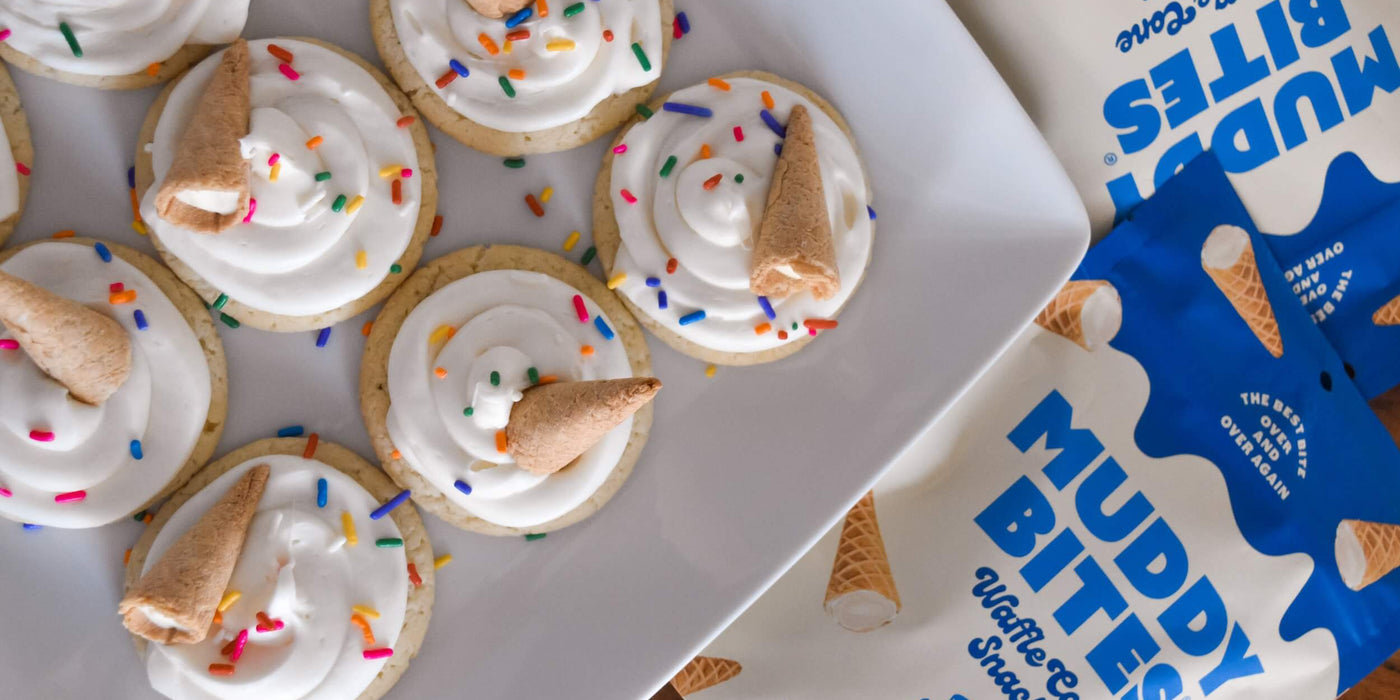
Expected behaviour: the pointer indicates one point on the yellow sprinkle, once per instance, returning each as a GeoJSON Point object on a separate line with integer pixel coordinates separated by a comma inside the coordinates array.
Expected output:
{"type": "Point", "coordinates": [560, 45]}
{"type": "Point", "coordinates": [139, 226]}
{"type": "Point", "coordinates": [617, 280]}
{"type": "Point", "coordinates": [508, 46]}
{"type": "Point", "coordinates": [442, 561]}
{"type": "Point", "coordinates": [440, 334]}
{"type": "Point", "coordinates": [571, 241]}
{"type": "Point", "coordinates": [367, 611]}
{"type": "Point", "coordinates": [361, 259]}
{"type": "Point", "coordinates": [276, 170]}
{"type": "Point", "coordinates": [710, 371]}
{"type": "Point", "coordinates": [354, 204]}
{"type": "Point", "coordinates": [546, 195]}
{"type": "Point", "coordinates": [390, 170]}
{"type": "Point", "coordinates": [228, 600]}
{"type": "Point", "coordinates": [347, 522]}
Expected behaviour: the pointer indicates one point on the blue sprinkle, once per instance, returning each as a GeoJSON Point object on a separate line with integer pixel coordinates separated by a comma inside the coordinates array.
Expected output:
{"type": "Point", "coordinates": [661, 302]}
{"type": "Point", "coordinates": [767, 308]}
{"type": "Point", "coordinates": [773, 124]}
{"type": "Point", "coordinates": [291, 431]}
{"type": "Point", "coordinates": [136, 452]}
{"type": "Point", "coordinates": [393, 503]}
{"type": "Point", "coordinates": [321, 487]}
{"type": "Point", "coordinates": [871, 210]}
{"type": "Point", "coordinates": [323, 337]}
{"type": "Point", "coordinates": [684, 22]}
{"type": "Point", "coordinates": [32, 526]}
{"type": "Point", "coordinates": [457, 66]}
{"type": "Point", "coordinates": [141, 324]}
{"type": "Point", "coordinates": [131, 177]}
{"type": "Point", "coordinates": [692, 110]}
{"type": "Point", "coordinates": [693, 317]}
{"type": "Point", "coordinates": [519, 17]}
{"type": "Point", "coordinates": [778, 148]}
{"type": "Point", "coordinates": [464, 487]}
{"type": "Point", "coordinates": [653, 282]}
{"type": "Point", "coordinates": [102, 252]}
{"type": "Point", "coordinates": [603, 328]}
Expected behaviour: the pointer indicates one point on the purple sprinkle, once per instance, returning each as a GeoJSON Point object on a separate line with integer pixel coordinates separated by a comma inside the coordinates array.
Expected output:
{"type": "Point", "coordinates": [767, 308]}
{"type": "Point", "coordinates": [323, 337]}
{"type": "Point", "coordinates": [661, 299]}
{"type": "Point", "coordinates": [141, 324]}
{"type": "Point", "coordinates": [684, 22]}
{"type": "Point", "coordinates": [653, 282]}
{"type": "Point", "coordinates": [131, 177]}
{"type": "Point", "coordinates": [692, 110]}
{"type": "Point", "coordinates": [772, 123]}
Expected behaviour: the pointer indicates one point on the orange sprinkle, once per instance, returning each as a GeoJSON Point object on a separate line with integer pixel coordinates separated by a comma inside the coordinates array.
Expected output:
{"type": "Point", "coordinates": [762, 328]}
{"type": "Point", "coordinates": [65, 234]}
{"type": "Point", "coordinates": [396, 191]}
{"type": "Point", "coordinates": [218, 617]}
{"type": "Point", "coordinates": [395, 454]}
{"type": "Point", "coordinates": [819, 324]}
{"type": "Point", "coordinates": [782, 335]}
{"type": "Point", "coordinates": [714, 181]}
{"type": "Point", "coordinates": [153, 70]}
{"type": "Point", "coordinates": [263, 619]}
{"type": "Point", "coordinates": [282, 54]}
{"type": "Point", "coordinates": [586, 350]}
{"type": "Point", "coordinates": [549, 379]}
{"type": "Point", "coordinates": [440, 372]}
{"type": "Point", "coordinates": [313, 142]}
{"type": "Point", "coordinates": [364, 627]}
{"type": "Point", "coordinates": [413, 577]}
{"type": "Point", "coordinates": [311, 441]}
{"type": "Point", "coordinates": [768, 100]}
{"type": "Point", "coordinates": [147, 520]}
{"type": "Point", "coordinates": [704, 151]}
{"type": "Point", "coordinates": [126, 296]}
{"type": "Point", "coordinates": [221, 669]}
{"type": "Point", "coordinates": [516, 74]}
{"type": "Point", "coordinates": [446, 78]}
{"type": "Point", "coordinates": [405, 121]}
{"type": "Point", "coordinates": [518, 35]}
{"type": "Point", "coordinates": [135, 206]}
{"type": "Point", "coordinates": [487, 44]}
{"type": "Point", "coordinates": [501, 444]}
{"type": "Point", "coordinates": [720, 84]}
{"type": "Point", "coordinates": [365, 329]}
{"type": "Point", "coordinates": [126, 559]}
{"type": "Point", "coordinates": [671, 266]}
{"type": "Point", "coordinates": [542, 7]}
{"type": "Point", "coordinates": [437, 226]}
{"type": "Point", "coordinates": [607, 35]}
{"type": "Point", "coordinates": [534, 205]}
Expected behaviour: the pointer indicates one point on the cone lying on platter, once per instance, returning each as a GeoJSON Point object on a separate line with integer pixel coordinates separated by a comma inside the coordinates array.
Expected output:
{"type": "Point", "coordinates": [174, 601]}
{"type": "Point", "coordinates": [555, 423]}
{"type": "Point", "coordinates": [1366, 551]}
{"type": "Point", "coordinates": [1388, 315]}
{"type": "Point", "coordinates": [861, 594]}
{"type": "Point", "coordinates": [81, 349]}
{"type": "Point", "coordinates": [1228, 257]}
{"type": "Point", "coordinates": [793, 251]}
{"type": "Point", "coordinates": [206, 188]}
{"type": "Point", "coordinates": [496, 9]}
{"type": "Point", "coordinates": [1087, 312]}
{"type": "Point", "coordinates": [704, 672]}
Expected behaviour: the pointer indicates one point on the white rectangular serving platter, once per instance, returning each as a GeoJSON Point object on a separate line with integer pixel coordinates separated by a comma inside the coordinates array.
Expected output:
{"type": "Point", "coordinates": [978, 225]}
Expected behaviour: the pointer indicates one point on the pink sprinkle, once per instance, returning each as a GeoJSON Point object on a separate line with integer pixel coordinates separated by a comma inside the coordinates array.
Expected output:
{"type": "Point", "coordinates": [70, 497]}
{"type": "Point", "coordinates": [274, 158]}
{"type": "Point", "coordinates": [629, 197]}
{"type": "Point", "coordinates": [22, 168]}
{"type": "Point", "coordinates": [378, 653]}
{"type": "Point", "coordinates": [252, 207]}
{"type": "Point", "coordinates": [406, 173]}
{"type": "Point", "coordinates": [620, 148]}
{"type": "Point", "coordinates": [115, 287]}
{"type": "Point", "coordinates": [811, 331]}
{"type": "Point", "coordinates": [288, 71]}
{"type": "Point", "coordinates": [238, 644]}
{"type": "Point", "coordinates": [738, 133]}
{"type": "Point", "coordinates": [41, 435]}
{"type": "Point", "coordinates": [9, 344]}
{"type": "Point", "coordinates": [4, 34]}
{"type": "Point", "coordinates": [580, 309]}
{"type": "Point", "coordinates": [5, 493]}
{"type": "Point", "coordinates": [276, 625]}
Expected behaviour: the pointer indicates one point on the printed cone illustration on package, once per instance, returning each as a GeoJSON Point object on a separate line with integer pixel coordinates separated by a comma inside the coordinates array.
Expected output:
{"type": "Point", "coordinates": [207, 189]}
{"type": "Point", "coordinates": [496, 9]}
{"type": "Point", "coordinates": [82, 349]}
{"type": "Point", "coordinates": [174, 601]}
{"type": "Point", "coordinates": [1388, 315]}
{"type": "Point", "coordinates": [555, 423]}
{"type": "Point", "coordinates": [1087, 312]}
{"type": "Point", "coordinates": [1228, 257]}
{"type": "Point", "coordinates": [794, 251]}
{"type": "Point", "coordinates": [704, 672]}
{"type": "Point", "coordinates": [1366, 551]}
{"type": "Point", "coordinates": [861, 594]}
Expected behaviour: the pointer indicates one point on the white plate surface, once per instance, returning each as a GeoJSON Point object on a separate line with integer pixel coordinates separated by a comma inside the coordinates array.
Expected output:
{"type": "Point", "coordinates": [978, 225]}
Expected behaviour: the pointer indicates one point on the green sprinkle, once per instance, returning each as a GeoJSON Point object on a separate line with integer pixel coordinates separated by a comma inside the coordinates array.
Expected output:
{"type": "Point", "coordinates": [219, 303]}
{"type": "Point", "coordinates": [338, 204]}
{"type": "Point", "coordinates": [666, 169]}
{"type": "Point", "coordinates": [534, 375]}
{"type": "Point", "coordinates": [573, 9]}
{"type": "Point", "coordinates": [323, 176]}
{"type": "Point", "coordinates": [514, 163]}
{"type": "Point", "coordinates": [396, 268]}
{"type": "Point", "coordinates": [139, 516]}
{"type": "Point", "coordinates": [386, 542]}
{"type": "Point", "coordinates": [644, 110]}
{"type": "Point", "coordinates": [72, 40]}
{"type": "Point", "coordinates": [229, 321]}
{"type": "Point", "coordinates": [739, 178]}
{"type": "Point", "coordinates": [641, 56]}
{"type": "Point", "coordinates": [495, 378]}
{"type": "Point", "coordinates": [468, 411]}
{"type": "Point", "coordinates": [505, 85]}
{"type": "Point", "coordinates": [534, 536]}
{"type": "Point", "coordinates": [794, 325]}
{"type": "Point", "coordinates": [588, 254]}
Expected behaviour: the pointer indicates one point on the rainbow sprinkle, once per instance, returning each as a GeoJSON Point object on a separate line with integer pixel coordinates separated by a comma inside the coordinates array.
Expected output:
{"type": "Point", "coordinates": [288, 71]}
{"type": "Point", "coordinates": [282, 54]}
{"type": "Point", "coordinates": [661, 301]}
{"type": "Point", "coordinates": [533, 375]}
{"type": "Point", "coordinates": [373, 654]}
{"type": "Point", "coordinates": [514, 163]}
{"type": "Point", "coordinates": [102, 252]}
{"type": "Point", "coordinates": [437, 226]}
{"type": "Point", "coordinates": [573, 9]}
{"type": "Point", "coordinates": [312, 441]}
{"type": "Point", "coordinates": [393, 503]}
{"type": "Point", "coordinates": [693, 317]}
{"type": "Point", "coordinates": [580, 309]}
{"type": "Point", "coordinates": [70, 497]}
{"type": "Point", "coordinates": [772, 123]}
{"type": "Point", "coordinates": [388, 542]}
{"type": "Point", "coordinates": [641, 56]}
{"type": "Point", "coordinates": [546, 194]}
{"type": "Point", "coordinates": [739, 133]}
{"type": "Point", "coordinates": [683, 108]}
{"type": "Point", "coordinates": [4, 34]}
{"type": "Point", "coordinates": [604, 328]}
{"type": "Point", "coordinates": [9, 344]}
{"type": "Point", "coordinates": [506, 86]}
{"type": "Point", "coordinates": [219, 301]}
{"type": "Point", "coordinates": [239, 643]}
{"type": "Point", "coordinates": [72, 40]}
{"type": "Point", "coordinates": [291, 431]}
{"type": "Point", "coordinates": [535, 536]}
{"type": "Point", "coordinates": [710, 371]}
{"type": "Point", "coordinates": [671, 266]}
{"type": "Point", "coordinates": [514, 20]}
{"type": "Point", "coordinates": [361, 260]}
{"type": "Point", "coordinates": [534, 204]}
{"type": "Point", "coordinates": [228, 600]}
{"type": "Point", "coordinates": [229, 321]}
{"type": "Point", "coordinates": [140, 317]}
{"type": "Point", "coordinates": [41, 435]}
{"type": "Point", "coordinates": [136, 451]}
{"type": "Point", "coordinates": [355, 204]}
{"type": "Point", "coordinates": [458, 68]}
{"type": "Point", "coordinates": [442, 561]}
{"type": "Point", "coordinates": [413, 577]}
{"type": "Point", "coordinates": [628, 196]}
{"type": "Point", "coordinates": [588, 255]}
{"type": "Point", "coordinates": [338, 204]}
{"type": "Point", "coordinates": [440, 334]}
{"type": "Point", "coordinates": [644, 110]}
{"type": "Point", "coordinates": [653, 282]}
{"type": "Point", "coordinates": [870, 210]}
{"type": "Point", "coordinates": [347, 523]}
{"type": "Point", "coordinates": [495, 378]}
{"type": "Point", "coordinates": [767, 308]}
{"type": "Point", "coordinates": [252, 207]}
{"type": "Point", "coordinates": [719, 84]}
{"type": "Point", "coordinates": [315, 141]}
{"type": "Point", "coordinates": [502, 443]}
{"type": "Point", "coordinates": [272, 159]}
{"type": "Point", "coordinates": [323, 337]}
{"type": "Point", "coordinates": [571, 241]}
{"type": "Point", "coordinates": [463, 486]}
{"type": "Point", "coordinates": [616, 280]}
{"type": "Point", "coordinates": [560, 45]}
{"type": "Point", "coordinates": [405, 121]}
{"type": "Point", "coordinates": [670, 164]}
{"type": "Point", "coordinates": [683, 22]}
{"type": "Point", "coordinates": [221, 669]}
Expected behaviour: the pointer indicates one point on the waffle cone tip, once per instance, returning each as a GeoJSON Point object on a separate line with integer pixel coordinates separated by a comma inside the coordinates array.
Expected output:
{"type": "Point", "coordinates": [705, 672]}
{"type": "Point", "coordinates": [861, 593]}
{"type": "Point", "coordinates": [82, 349]}
{"type": "Point", "coordinates": [1388, 315]}
{"type": "Point", "coordinates": [553, 424]}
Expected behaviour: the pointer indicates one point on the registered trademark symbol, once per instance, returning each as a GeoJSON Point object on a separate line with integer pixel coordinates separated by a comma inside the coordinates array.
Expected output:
{"type": "Point", "coordinates": [1110, 159]}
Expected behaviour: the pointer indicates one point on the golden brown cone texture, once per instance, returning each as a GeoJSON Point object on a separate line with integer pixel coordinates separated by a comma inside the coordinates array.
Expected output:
{"type": "Point", "coordinates": [1063, 316]}
{"type": "Point", "coordinates": [704, 672]}
{"type": "Point", "coordinates": [208, 155]}
{"type": "Point", "coordinates": [795, 230]}
{"type": "Point", "coordinates": [189, 580]}
{"type": "Point", "coordinates": [1388, 315]}
{"type": "Point", "coordinates": [496, 9]}
{"type": "Point", "coordinates": [555, 423]}
{"type": "Point", "coordinates": [81, 349]}
{"type": "Point", "coordinates": [1381, 543]}
{"type": "Point", "coordinates": [861, 563]}
{"type": "Point", "coordinates": [1245, 290]}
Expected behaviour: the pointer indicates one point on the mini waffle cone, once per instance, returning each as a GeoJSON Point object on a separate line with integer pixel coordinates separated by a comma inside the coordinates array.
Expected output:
{"type": "Point", "coordinates": [861, 563]}
{"type": "Point", "coordinates": [1381, 543]}
{"type": "Point", "coordinates": [80, 348]}
{"type": "Point", "coordinates": [796, 231]}
{"type": "Point", "coordinates": [1244, 288]}
{"type": "Point", "coordinates": [208, 156]}
{"type": "Point", "coordinates": [1388, 315]}
{"type": "Point", "coordinates": [704, 672]}
{"type": "Point", "coordinates": [188, 581]}
{"type": "Point", "coordinates": [555, 423]}
{"type": "Point", "coordinates": [1063, 316]}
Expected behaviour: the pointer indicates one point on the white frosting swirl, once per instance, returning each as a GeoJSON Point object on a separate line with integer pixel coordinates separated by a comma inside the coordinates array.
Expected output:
{"type": "Point", "coordinates": [163, 402]}
{"type": "Point", "coordinates": [297, 567]}
{"type": "Point", "coordinates": [118, 37]}
{"type": "Point", "coordinates": [710, 231]}
{"type": "Point", "coordinates": [298, 256]}
{"type": "Point", "coordinates": [9, 177]}
{"type": "Point", "coordinates": [569, 66]}
{"type": "Point", "coordinates": [506, 322]}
